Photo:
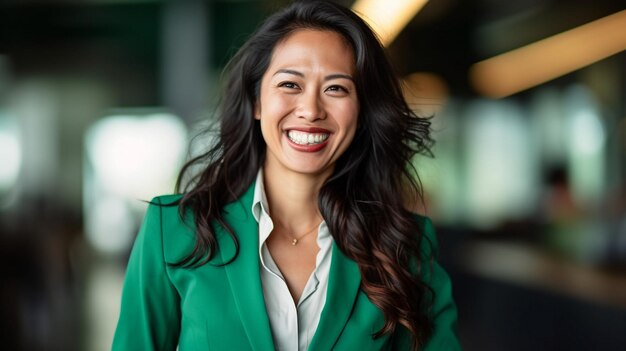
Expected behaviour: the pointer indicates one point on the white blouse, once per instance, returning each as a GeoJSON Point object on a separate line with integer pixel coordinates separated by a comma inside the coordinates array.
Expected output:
{"type": "Point", "coordinates": [293, 326]}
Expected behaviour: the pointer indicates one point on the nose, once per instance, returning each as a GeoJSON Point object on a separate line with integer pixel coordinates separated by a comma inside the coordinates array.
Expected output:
{"type": "Point", "coordinates": [310, 107]}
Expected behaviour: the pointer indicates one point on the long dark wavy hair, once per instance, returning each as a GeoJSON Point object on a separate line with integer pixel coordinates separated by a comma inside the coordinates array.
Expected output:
{"type": "Point", "coordinates": [364, 201]}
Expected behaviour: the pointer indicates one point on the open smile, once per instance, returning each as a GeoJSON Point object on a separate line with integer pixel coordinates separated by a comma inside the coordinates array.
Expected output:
{"type": "Point", "coordinates": [307, 138]}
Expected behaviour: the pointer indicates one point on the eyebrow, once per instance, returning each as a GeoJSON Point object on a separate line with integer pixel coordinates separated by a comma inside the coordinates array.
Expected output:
{"type": "Point", "coordinates": [327, 78]}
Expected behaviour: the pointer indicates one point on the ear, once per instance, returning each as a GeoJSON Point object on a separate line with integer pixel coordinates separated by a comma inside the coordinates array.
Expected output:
{"type": "Point", "coordinates": [257, 111]}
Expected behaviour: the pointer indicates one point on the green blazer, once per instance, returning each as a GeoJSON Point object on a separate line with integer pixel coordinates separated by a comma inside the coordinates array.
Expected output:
{"type": "Point", "coordinates": [221, 307]}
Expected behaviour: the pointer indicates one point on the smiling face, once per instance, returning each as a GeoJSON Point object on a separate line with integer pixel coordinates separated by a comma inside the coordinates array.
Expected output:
{"type": "Point", "coordinates": [308, 105]}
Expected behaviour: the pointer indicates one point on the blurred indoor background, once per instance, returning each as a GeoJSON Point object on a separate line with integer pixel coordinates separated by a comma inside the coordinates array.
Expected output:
{"type": "Point", "coordinates": [100, 98]}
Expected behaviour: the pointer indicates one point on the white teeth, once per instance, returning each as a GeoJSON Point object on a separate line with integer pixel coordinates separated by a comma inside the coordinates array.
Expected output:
{"type": "Point", "coordinates": [304, 138]}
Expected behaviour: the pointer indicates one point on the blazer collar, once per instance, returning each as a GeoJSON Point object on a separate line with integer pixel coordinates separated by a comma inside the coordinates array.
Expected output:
{"type": "Point", "coordinates": [243, 275]}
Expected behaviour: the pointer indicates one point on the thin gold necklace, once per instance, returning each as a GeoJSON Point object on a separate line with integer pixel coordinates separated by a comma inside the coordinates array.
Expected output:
{"type": "Point", "coordinates": [294, 240]}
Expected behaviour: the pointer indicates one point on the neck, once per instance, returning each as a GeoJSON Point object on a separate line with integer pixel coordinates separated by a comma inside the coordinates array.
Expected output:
{"type": "Point", "coordinates": [292, 199]}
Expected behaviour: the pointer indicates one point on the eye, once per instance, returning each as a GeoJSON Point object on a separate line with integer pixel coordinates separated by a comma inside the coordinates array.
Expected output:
{"type": "Point", "coordinates": [337, 90]}
{"type": "Point", "coordinates": [288, 85]}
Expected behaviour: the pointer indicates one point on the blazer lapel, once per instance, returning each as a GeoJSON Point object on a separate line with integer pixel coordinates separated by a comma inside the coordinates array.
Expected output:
{"type": "Point", "coordinates": [343, 285]}
{"type": "Point", "coordinates": [243, 272]}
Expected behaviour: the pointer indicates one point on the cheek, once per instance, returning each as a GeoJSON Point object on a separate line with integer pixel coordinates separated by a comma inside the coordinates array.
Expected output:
{"type": "Point", "coordinates": [270, 123]}
{"type": "Point", "coordinates": [351, 134]}
{"type": "Point", "coordinates": [267, 129]}
{"type": "Point", "coordinates": [274, 106]}
{"type": "Point", "coordinates": [349, 118]}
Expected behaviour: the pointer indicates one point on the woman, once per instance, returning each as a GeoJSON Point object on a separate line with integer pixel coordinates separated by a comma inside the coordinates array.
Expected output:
{"type": "Point", "coordinates": [296, 235]}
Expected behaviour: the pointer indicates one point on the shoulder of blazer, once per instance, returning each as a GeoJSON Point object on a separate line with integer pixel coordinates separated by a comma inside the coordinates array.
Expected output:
{"type": "Point", "coordinates": [178, 233]}
{"type": "Point", "coordinates": [179, 229]}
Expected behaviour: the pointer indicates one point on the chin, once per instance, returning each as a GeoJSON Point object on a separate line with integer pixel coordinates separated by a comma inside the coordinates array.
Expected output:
{"type": "Point", "coordinates": [310, 169]}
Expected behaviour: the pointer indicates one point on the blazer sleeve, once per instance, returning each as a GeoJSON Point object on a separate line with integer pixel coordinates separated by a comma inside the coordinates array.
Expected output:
{"type": "Point", "coordinates": [150, 310]}
{"type": "Point", "coordinates": [444, 313]}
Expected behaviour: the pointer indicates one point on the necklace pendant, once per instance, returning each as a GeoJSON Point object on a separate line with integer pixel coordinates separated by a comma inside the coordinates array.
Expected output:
{"type": "Point", "coordinates": [294, 242]}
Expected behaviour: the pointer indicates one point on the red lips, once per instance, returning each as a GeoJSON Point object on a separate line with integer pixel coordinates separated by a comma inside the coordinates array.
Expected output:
{"type": "Point", "coordinates": [311, 147]}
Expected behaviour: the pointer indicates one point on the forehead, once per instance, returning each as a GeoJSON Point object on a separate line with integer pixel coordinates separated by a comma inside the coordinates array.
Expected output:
{"type": "Point", "coordinates": [314, 46]}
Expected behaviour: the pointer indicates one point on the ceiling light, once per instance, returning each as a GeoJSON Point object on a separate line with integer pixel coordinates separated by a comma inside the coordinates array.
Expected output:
{"type": "Point", "coordinates": [544, 60]}
{"type": "Point", "coordinates": [387, 18]}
